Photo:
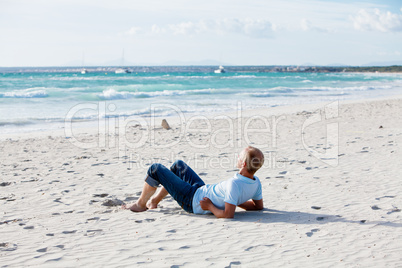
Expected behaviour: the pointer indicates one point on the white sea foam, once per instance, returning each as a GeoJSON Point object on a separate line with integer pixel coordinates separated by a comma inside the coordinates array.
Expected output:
{"type": "Point", "coordinates": [112, 94]}
{"type": "Point", "coordinates": [193, 76]}
{"type": "Point", "coordinates": [347, 88]}
{"type": "Point", "coordinates": [241, 76]}
{"type": "Point", "coordinates": [260, 94]}
{"type": "Point", "coordinates": [24, 94]}
{"type": "Point", "coordinates": [101, 78]}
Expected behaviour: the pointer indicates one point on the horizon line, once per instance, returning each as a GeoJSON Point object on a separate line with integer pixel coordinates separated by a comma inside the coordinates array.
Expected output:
{"type": "Point", "coordinates": [196, 65]}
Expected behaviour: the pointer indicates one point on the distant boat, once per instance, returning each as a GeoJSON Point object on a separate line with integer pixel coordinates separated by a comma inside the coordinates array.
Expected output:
{"type": "Point", "coordinates": [83, 71]}
{"type": "Point", "coordinates": [220, 70]}
{"type": "Point", "coordinates": [122, 71]}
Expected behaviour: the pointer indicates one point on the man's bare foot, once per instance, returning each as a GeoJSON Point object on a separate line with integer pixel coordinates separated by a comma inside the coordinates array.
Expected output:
{"type": "Point", "coordinates": [152, 204]}
{"type": "Point", "coordinates": [134, 207]}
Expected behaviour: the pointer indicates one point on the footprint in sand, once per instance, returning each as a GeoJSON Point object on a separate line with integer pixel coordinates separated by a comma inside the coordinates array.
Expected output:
{"type": "Point", "coordinates": [93, 219]}
{"type": "Point", "coordinates": [310, 234]}
{"type": "Point", "coordinates": [112, 203]}
{"type": "Point", "coordinates": [233, 264]}
{"type": "Point", "coordinates": [255, 247]}
{"type": "Point", "coordinates": [93, 232]}
{"type": "Point", "coordinates": [69, 232]}
{"type": "Point", "coordinates": [8, 247]}
{"type": "Point", "coordinates": [395, 209]}
{"type": "Point", "coordinates": [100, 195]}
{"type": "Point", "coordinates": [385, 196]}
{"type": "Point", "coordinates": [146, 220]}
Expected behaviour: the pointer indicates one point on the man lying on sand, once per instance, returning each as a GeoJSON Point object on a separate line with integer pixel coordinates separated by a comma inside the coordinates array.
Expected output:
{"type": "Point", "coordinates": [194, 196]}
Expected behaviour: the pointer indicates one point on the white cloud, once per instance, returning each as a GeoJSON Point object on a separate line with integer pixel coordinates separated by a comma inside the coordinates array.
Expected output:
{"type": "Point", "coordinates": [376, 20]}
{"type": "Point", "coordinates": [155, 29]}
{"type": "Point", "coordinates": [185, 28]}
{"type": "Point", "coordinates": [133, 31]}
{"type": "Point", "coordinates": [255, 28]}
{"type": "Point", "coordinates": [306, 25]}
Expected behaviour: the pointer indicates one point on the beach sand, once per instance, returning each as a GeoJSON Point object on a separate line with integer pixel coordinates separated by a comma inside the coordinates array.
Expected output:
{"type": "Point", "coordinates": [331, 188]}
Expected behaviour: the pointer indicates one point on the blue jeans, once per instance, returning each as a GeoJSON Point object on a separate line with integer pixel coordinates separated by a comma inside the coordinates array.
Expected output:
{"type": "Point", "coordinates": [180, 181]}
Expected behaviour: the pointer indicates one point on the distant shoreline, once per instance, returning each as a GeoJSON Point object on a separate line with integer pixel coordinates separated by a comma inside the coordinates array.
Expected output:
{"type": "Point", "coordinates": [210, 68]}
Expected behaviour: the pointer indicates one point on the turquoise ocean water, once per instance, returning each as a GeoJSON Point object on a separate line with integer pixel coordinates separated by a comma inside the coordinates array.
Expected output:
{"type": "Point", "coordinates": [40, 100]}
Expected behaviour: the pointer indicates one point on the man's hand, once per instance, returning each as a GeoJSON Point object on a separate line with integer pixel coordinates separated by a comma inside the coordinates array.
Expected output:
{"type": "Point", "coordinates": [205, 203]}
{"type": "Point", "coordinates": [253, 205]}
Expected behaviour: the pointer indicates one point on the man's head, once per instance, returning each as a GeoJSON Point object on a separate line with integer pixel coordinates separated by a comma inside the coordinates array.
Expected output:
{"type": "Point", "coordinates": [251, 158]}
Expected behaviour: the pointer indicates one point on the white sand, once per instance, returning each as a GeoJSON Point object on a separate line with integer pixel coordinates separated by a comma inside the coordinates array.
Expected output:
{"type": "Point", "coordinates": [52, 213]}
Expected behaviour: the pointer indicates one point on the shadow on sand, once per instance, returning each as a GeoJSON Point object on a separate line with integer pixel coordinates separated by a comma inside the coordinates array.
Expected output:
{"type": "Point", "coordinates": [297, 217]}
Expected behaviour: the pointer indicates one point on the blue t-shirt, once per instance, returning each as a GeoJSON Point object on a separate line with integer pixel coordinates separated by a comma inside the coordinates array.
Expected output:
{"type": "Point", "coordinates": [235, 191]}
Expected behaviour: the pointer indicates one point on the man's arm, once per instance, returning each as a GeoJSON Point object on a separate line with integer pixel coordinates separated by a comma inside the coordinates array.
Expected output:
{"type": "Point", "coordinates": [206, 204]}
{"type": "Point", "coordinates": [253, 205]}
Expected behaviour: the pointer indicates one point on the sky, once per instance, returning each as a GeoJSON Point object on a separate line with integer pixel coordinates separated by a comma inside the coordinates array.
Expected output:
{"type": "Point", "coordinates": [155, 32]}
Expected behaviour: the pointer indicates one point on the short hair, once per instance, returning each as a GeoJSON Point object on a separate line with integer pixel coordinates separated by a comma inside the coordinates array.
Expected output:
{"type": "Point", "coordinates": [254, 159]}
